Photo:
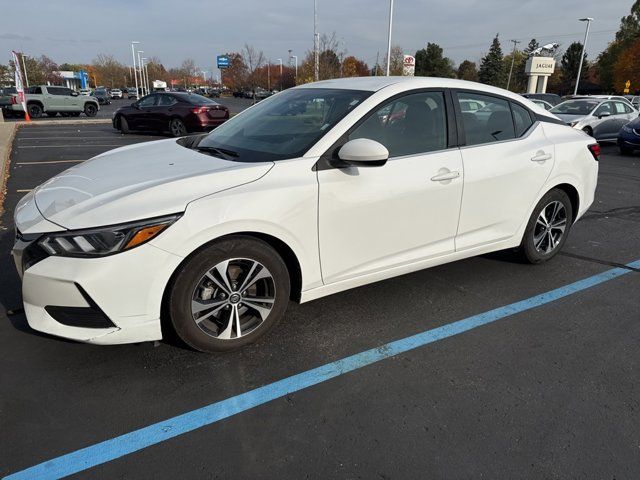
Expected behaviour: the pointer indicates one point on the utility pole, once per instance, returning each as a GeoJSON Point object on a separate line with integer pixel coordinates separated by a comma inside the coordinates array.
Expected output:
{"type": "Point", "coordinates": [135, 73]}
{"type": "Point", "coordinates": [389, 37]}
{"type": "Point", "coordinates": [316, 43]}
{"type": "Point", "coordinates": [513, 59]}
{"type": "Point", "coordinates": [279, 60]}
{"type": "Point", "coordinates": [584, 47]}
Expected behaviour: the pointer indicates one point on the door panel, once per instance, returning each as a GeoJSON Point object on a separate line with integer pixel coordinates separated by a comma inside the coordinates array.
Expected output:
{"type": "Point", "coordinates": [372, 219]}
{"type": "Point", "coordinates": [502, 180]}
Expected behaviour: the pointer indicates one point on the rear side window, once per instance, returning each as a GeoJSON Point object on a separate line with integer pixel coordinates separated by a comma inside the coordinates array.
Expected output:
{"type": "Point", "coordinates": [490, 123]}
{"type": "Point", "coordinates": [622, 108]}
{"type": "Point", "coordinates": [34, 90]}
{"type": "Point", "coordinates": [166, 100]}
{"type": "Point", "coordinates": [409, 125]}
{"type": "Point", "coordinates": [521, 119]}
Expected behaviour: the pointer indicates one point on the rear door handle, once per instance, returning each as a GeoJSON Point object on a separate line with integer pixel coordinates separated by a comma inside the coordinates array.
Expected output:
{"type": "Point", "coordinates": [541, 156]}
{"type": "Point", "coordinates": [445, 176]}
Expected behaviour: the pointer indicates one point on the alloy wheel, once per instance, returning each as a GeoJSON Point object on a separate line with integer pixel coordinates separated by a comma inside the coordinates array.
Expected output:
{"type": "Point", "coordinates": [177, 128]}
{"type": "Point", "coordinates": [233, 299]}
{"type": "Point", "coordinates": [550, 227]}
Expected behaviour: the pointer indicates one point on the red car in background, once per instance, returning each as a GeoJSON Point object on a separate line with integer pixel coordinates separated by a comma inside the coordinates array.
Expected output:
{"type": "Point", "coordinates": [178, 113]}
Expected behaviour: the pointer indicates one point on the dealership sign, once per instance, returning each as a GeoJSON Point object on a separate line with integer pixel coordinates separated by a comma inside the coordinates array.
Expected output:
{"type": "Point", "coordinates": [223, 61]}
{"type": "Point", "coordinates": [540, 66]}
{"type": "Point", "coordinates": [408, 65]}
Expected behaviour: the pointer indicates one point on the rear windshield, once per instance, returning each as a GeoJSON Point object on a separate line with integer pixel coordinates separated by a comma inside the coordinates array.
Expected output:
{"type": "Point", "coordinates": [196, 99]}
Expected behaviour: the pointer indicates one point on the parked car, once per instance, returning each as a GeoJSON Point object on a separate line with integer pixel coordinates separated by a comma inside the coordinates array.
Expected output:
{"type": "Point", "coordinates": [51, 100]}
{"type": "Point", "coordinates": [116, 93]}
{"type": "Point", "coordinates": [7, 99]}
{"type": "Point", "coordinates": [104, 98]}
{"type": "Point", "coordinates": [178, 113]}
{"type": "Point", "coordinates": [629, 137]}
{"type": "Point", "coordinates": [132, 92]}
{"type": "Point", "coordinates": [601, 119]}
{"type": "Point", "coordinates": [551, 98]}
{"type": "Point", "coordinates": [542, 103]}
{"type": "Point", "coordinates": [219, 231]}
{"type": "Point", "coordinates": [85, 92]}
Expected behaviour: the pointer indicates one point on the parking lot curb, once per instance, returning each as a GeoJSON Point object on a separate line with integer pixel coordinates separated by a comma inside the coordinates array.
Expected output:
{"type": "Point", "coordinates": [7, 132]}
{"type": "Point", "coordinates": [85, 121]}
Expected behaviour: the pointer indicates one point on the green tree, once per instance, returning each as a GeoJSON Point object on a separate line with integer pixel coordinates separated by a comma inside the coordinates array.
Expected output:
{"type": "Point", "coordinates": [570, 64]}
{"type": "Point", "coordinates": [430, 62]}
{"type": "Point", "coordinates": [533, 44]}
{"type": "Point", "coordinates": [492, 71]}
{"type": "Point", "coordinates": [518, 82]}
{"type": "Point", "coordinates": [467, 70]}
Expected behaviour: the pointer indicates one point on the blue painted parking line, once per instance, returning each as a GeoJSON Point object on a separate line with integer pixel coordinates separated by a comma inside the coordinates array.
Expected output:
{"type": "Point", "coordinates": [136, 440]}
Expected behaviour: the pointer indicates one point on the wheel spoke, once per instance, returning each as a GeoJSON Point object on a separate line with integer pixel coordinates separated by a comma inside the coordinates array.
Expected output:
{"type": "Point", "coordinates": [554, 214]}
{"type": "Point", "coordinates": [258, 299]}
{"type": "Point", "coordinates": [198, 305]}
{"type": "Point", "coordinates": [552, 243]}
{"type": "Point", "coordinates": [201, 319]}
{"type": "Point", "coordinates": [248, 277]}
{"type": "Point", "coordinates": [226, 333]}
{"type": "Point", "coordinates": [559, 224]}
{"type": "Point", "coordinates": [537, 241]}
{"type": "Point", "coordinates": [236, 313]}
{"type": "Point", "coordinates": [222, 268]}
{"type": "Point", "coordinates": [543, 216]}
{"type": "Point", "coordinates": [264, 273]}
{"type": "Point", "coordinates": [218, 283]}
{"type": "Point", "coordinates": [262, 311]}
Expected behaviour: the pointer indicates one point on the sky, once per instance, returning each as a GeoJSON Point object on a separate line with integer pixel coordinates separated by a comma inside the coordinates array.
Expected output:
{"type": "Point", "coordinates": [172, 30]}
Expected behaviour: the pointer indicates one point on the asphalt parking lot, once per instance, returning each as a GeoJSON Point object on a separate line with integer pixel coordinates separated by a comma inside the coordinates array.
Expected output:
{"type": "Point", "coordinates": [546, 391]}
{"type": "Point", "coordinates": [235, 105]}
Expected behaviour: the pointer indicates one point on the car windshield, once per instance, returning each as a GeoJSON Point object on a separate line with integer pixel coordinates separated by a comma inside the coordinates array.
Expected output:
{"type": "Point", "coordinates": [576, 107]}
{"type": "Point", "coordinates": [284, 125]}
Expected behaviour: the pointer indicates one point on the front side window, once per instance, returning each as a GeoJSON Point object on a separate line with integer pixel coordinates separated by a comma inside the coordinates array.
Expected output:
{"type": "Point", "coordinates": [409, 125]}
{"type": "Point", "coordinates": [147, 101]}
{"type": "Point", "coordinates": [166, 100]}
{"type": "Point", "coordinates": [283, 126]}
{"type": "Point", "coordinates": [55, 91]}
{"type": "Point", "coordinates": [521, 119]}
{"type": "Point", "coordinates": [491, 123]}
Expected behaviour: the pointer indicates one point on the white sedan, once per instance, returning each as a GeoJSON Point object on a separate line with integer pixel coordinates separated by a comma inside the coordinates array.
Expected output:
{"type": "Point", "coordinates": [315, 190]}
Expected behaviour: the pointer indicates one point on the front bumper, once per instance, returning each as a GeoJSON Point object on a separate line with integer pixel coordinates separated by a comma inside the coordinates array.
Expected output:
{"type": "Point", "coordinates": [109, 300]}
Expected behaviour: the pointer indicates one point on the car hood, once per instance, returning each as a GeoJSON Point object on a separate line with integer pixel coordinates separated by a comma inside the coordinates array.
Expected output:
{"type": "Point", "coordinates": [137, 182]}
{"type": "Point", "coordinates": [569, 118]}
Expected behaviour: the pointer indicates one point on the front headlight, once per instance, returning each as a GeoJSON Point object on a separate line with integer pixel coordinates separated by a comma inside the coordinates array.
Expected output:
{"type": "Point", "coordinates": [99, 242]}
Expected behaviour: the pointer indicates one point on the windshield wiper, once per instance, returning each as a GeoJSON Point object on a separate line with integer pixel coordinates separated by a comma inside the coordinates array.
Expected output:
{"type": "Point", "coordinates": [220, 151]}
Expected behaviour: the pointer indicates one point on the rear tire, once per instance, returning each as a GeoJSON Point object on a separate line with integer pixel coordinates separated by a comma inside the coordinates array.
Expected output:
{"type": "Point", "coordinates": [588, 131]}
{"type": "Point", "coordinates": [177, 128]}
{"type": "Point", "coordinates": [253, 293]}
{"type": "Point", "coordinates": [90, 110]}
{"type": "Point", "coordinates": [35, 110]}
{"type": "Point", "coordinates": [548, 227]}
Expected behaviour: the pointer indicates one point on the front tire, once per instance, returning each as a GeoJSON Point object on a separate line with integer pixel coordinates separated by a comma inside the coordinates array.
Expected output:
{"type": "Point", "coordinates": [548, 227]}
{"type": "Point", "coordinates": [229, 294]}
{"type": "Point", "coordinates": [90, 110]}
{"type": "Point", "coordinates": [35, 110]}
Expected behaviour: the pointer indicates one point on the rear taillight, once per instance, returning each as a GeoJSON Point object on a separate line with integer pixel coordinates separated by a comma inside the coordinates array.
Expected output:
{"type": "Point", "coordinates": [14, 100]}
{"type": "Point", "coordinates": [594, 148]}
{"type": "Point", "coordinates": [200, 110]}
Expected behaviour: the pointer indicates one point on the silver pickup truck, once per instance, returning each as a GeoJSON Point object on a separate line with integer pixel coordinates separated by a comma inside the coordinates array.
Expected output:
{"type": "Point", "coordinates": [51, 100]}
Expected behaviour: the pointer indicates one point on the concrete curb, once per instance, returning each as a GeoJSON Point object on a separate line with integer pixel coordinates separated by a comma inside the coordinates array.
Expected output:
{"type": "Point", "coordinates": [86, 121]}
{"type": "Point", "coordinates": [7, 132]}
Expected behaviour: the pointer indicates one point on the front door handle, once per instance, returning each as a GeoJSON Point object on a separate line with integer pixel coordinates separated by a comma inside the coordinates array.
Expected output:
{"type": "Point", "coordinates": [443, 177]}
{"type": "Point", "coordinates": [541, 156]}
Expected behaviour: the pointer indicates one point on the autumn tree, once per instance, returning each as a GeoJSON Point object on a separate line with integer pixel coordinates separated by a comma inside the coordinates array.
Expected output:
{"type": "Point", "coordinates": [627, 67]}
{"type": "Point", "coordinates": [253, 59]}
{"type": "Point", "coordinates": [397, 61]}
{"type": "Point", "coordinates": [354, 67]}
{"type": "Point", "coordinates": [467, 70]}
{"type": "Point", "coordinates": [235, 76]}
{"type": "Point", "coordinates": [492, 71]}
{"type": "Point", "coordinates": [108, 71]}
{"type": "Point", "coordinates": [430, 62]}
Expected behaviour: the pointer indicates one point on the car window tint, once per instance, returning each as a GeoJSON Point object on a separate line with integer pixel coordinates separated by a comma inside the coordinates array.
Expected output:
{"type": "Point", "coordinates": [148, 101]}
{"type": "Point", "coordinates": [521, 119]}
{"type": "Point", "coordinates": [491, 123]}
{"type": "Point", "coordinates": [55, 91]}
{"type": "Point", "coordinates": [34, 90]}
{"type": "Point", "coordinates": [412, 124]}
{"type": "Point", "coordinates": [166, 100]}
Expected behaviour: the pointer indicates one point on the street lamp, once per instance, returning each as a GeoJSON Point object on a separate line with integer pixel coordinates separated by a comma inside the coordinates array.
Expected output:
{"type": "Point", "coordinates": [584, 47]}
{"type": "Point", "coordinates": [140, 52]}
{"type": "Point", "coordinates": [279, 60]}
{"type": "Point", "coordinates": [389, 37]}
{"type": "Point", "coordinates": [135, 74]}
{"type": "Point", "coordinates": [295, 58]}
{"type": "Point", "coordinates": [146, 74]}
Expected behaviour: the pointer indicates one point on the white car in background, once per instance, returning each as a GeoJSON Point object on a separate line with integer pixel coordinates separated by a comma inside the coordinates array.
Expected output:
{"type": "Point", "coordinates": [542, 103]}
{"type": "Point", "coordinates": [86, 92]}
{"type": "Point", "coordinates": [319, 189]}
{"type": "Point", "coordinates": [596, 116]}
{"type": "Point", "coordinates": [116, 93]}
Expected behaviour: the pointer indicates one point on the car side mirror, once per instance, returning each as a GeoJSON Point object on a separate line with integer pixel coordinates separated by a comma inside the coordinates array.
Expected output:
{"type": "Point", "coordinates": [604, 114]}
{"type": "Point", "coordinates": [363, 152]}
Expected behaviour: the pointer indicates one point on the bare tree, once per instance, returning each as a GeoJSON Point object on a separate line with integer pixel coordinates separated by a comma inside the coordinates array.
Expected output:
{"type": "Point", "coordinates": [253, 60]}
{"type": "Point", "coordinates": [397, 60]}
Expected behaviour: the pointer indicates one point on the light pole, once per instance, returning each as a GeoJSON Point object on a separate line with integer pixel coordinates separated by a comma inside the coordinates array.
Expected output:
{"type": "Point", "coordinates": [316, 43]}
{"type": "Point", "coordinates": [279, 60]}
{"type": "Point", "coordinates": [389, 37]}
{"type": "Point", "coordinates": [513, 59]}
{"type": "Point", "coordinates": [24, 67]}
{"type": "Point", "coordinates": [584, 47]}
{"type": "Point", "coordinates": [135, 73]}
{"type": "Point", "coordinates": [295, 58]}
{"type": "Point", "coordinates": [146, 74]}
{"type": "Point", "coordinates": [140, 52]}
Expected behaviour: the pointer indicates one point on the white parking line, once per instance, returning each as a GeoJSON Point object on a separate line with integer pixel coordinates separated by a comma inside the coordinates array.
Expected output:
{"type": "Point", "coordinates": [50, 161]}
